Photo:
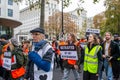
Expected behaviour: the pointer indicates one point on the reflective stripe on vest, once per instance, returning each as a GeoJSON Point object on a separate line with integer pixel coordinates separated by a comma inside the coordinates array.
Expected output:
{"type": "Point", "coordinates": [91, 60]}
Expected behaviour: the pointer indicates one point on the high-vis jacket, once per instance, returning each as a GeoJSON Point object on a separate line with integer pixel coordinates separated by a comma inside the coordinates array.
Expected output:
{"type": "Point", "coordinates": [55, 47]}
{"type": "Point", "coordinates": [91, 59]}
{"type": "Point", "coordinates": [4, 49]}
{"type": "Point", "coordinates": [10, 63]}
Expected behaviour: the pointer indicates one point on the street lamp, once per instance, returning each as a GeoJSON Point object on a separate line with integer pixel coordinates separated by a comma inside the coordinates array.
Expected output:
{"type": "Point", "coordinates": [62, 20]}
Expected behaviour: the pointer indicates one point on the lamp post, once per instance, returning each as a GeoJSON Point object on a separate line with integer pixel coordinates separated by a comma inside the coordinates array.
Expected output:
{"type": "Point", "coordinates": [62, 30]}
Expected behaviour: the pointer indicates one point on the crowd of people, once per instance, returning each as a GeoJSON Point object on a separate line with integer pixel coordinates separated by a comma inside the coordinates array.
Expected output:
{"type": "Point", "coordinates": [98, 55]}
{"type": "Point", "coordinates": [36, 59]}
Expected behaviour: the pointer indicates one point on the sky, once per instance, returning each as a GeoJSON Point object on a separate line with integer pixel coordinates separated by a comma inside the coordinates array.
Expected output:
{"type": "Point", "coordinates": [91, 8]}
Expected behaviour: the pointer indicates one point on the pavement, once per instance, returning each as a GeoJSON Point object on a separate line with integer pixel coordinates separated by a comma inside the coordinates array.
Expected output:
{"type": "Point", "coordinates": [57, 75]}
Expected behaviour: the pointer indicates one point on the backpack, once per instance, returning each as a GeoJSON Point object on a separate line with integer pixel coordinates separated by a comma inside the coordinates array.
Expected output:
{"type": "Point", "coordinates": [21, 58]}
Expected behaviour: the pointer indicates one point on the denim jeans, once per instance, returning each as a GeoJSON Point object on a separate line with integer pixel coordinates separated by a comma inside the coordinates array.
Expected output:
{"type": "Point", "coordinates": [100, 71]}
{"type": "Point", "coordinates": [21, 78]}
{"type": "Point", "coordinates": [108, 70]}
{"type": "Point", "coordinates": [67, 72]}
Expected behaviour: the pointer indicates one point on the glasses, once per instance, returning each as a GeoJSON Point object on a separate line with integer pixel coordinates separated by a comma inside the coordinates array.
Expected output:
{"type": "Point", "coordinates": [36, 34]}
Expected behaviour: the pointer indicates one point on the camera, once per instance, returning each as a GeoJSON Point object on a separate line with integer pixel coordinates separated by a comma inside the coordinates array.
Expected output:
{"type": "Point", "coordinates": [107, 57]}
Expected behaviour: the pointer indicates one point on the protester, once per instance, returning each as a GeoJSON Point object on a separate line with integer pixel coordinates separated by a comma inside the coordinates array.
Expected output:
{"type": "Point", "coordinates": [55, 47]}
{"type": "Point", "coordinates": [101, 68]}
{"type": "Point", "coordinates": [26, 46]}
{"type": "Point", "coordinates": [13, 61]}
{"type": "Point", "coordinates": [61, 42]}
{"type": "Point", "coordinates": [40, 65]}
{"type": "Point", "coordinates": [70, 64]}
{"type": "Point", "coordinates": [110, 55]}
{"type": "Point", "coordinates": [92, 58]}
{"type": "Point", "coordinates": [3, 41]}
{"type": "Point", "coordinates": [117, 39]}
{"type": "Point", "coordinates": [116, 70]}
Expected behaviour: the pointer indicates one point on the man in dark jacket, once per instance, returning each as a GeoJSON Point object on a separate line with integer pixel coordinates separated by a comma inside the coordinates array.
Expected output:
{"type": "Point", "coordinates": [117, 39]}
{"type": "Point", "coordinates": [110, 55]}
{"type": "Point", "coordinates": [116, 70]}
{"type": "Point", "coordinates": [55, 48]}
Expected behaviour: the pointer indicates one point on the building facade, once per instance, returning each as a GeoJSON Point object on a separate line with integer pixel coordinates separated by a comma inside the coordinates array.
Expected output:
{"type": "Point", "coordinates": [31, 19]}
{"type": "Point", "coordinates": [9, 16]}
{"type": "Point", "coordinates": [90, 23]}
{"type": "Point", "coordinates": [79, 19]}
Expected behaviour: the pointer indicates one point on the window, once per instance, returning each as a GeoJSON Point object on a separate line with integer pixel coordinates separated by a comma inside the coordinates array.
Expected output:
{"type": "Point", "coordinates": [6, 30]}
{"type": "Point", "coordinates": [10, 2]}
{"type": "Point", "coordinates": [10, 12]}
{"type": "Point", "coordinates": [0, 11]}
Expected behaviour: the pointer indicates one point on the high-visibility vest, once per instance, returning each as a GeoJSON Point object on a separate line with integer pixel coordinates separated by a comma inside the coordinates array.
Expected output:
{"type": "Point", "coordinates": [4, 49]}
{"type": "Point", "coordinates": [15, 72]}
{"type": "Point", "coordinates": [54, 48]}
{"type": "Point", "coordinates": [62, 43]}
{"type": "Point", "coordinates": [91, 59]}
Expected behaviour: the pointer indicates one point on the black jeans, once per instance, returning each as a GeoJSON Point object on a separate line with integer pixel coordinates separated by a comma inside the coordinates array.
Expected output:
{"type": "Point", "coordinates": [89, 76]}
{"type": "Point", "coordinates": [116, 68]}
{"type": "Point", "coordinates": [56, 60]}
{"type": "Point", "coordinates": [4, 73]}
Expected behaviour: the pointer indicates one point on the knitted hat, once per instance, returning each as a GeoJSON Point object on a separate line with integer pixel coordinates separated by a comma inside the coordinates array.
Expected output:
{"type": "Point", "coordinates": [14, 42]}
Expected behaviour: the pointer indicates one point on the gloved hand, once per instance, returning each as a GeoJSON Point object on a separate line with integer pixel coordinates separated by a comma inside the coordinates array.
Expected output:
{"type": "Point", "coordinates": [32, 55]}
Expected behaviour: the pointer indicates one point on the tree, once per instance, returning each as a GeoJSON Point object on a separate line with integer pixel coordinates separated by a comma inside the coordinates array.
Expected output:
{"type": "Point", "coordinates": [98, 19]}
{"type": "Point", "coordinates": [41, 4]}
{"type": "Point", "coordinates": [112, 14]}
{"type": "Point", "coordinates": [53, 27]}
{"type": "Point", "coordinates": [42, 14]}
